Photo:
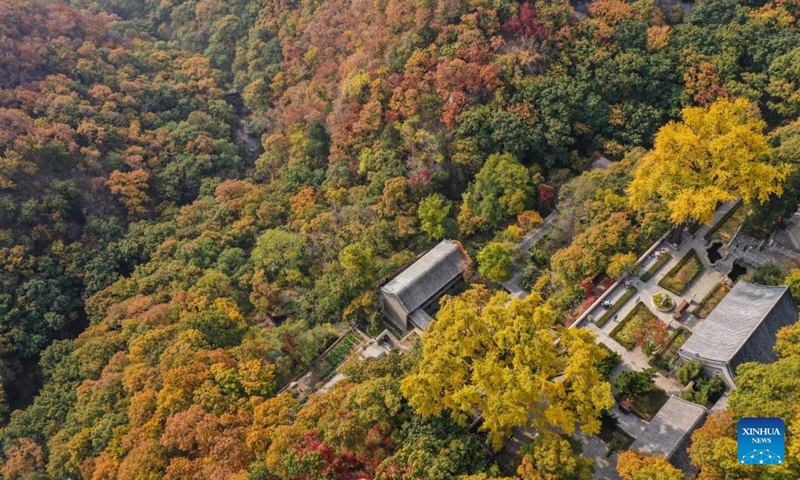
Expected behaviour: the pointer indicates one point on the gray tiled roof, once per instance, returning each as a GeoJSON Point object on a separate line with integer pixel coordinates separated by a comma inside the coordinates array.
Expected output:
{"type": "Point", "coordinates": [430, 273]}
{"type": "Point", "coordinates": [731, 324]}
{"type": "Point", "coordinates": [420, 318]}
{"type": "Point", "coordinates": [669, 430]}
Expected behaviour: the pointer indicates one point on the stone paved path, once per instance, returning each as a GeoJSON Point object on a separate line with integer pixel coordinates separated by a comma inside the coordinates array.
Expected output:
{"type": "Point", "coordinates": [513, 285]}
{"type": "Point", "coordinates": [605, 467]}
{"type": "Point", "coordinates": [629, 422]}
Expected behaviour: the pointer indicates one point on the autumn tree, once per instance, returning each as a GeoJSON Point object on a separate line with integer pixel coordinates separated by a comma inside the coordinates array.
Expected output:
{"type": "Point", "coordinates": [23, 460]}
{"type": "Point", "coordinates": [502, 357]}
{"type": "Point", "coordinates": [651, 336]}
{"type": "Point", "coordinates": [528, 220]}
{"type": "Point", "coordinates": [713, 155]}
{"type": "Point", "coordinates": [621, 265]}
{"type": "Point", "coordinates": [131, 188]}
{"type": "Point", "coordinates": [554, 457]}
{"type": "Point", "coordinates": [525, 24]}
{"type": "Point", "coordinates": [633, 465]}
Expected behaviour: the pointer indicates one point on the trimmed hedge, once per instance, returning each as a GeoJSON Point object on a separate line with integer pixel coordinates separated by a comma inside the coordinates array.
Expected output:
{"type": "Point", "coordinates": [682, 274]}
{"type": "Point", "coordinates": [605, 317]}
{"type": "Point", "coordinates": [654, 268]}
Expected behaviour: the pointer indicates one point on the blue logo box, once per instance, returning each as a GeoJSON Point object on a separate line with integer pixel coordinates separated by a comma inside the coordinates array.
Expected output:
{"type": "Point", "coordinates": [761, 441]}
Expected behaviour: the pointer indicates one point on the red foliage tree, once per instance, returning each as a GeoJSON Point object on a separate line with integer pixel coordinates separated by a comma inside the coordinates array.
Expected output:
{"type": "Point", "coordinates": [652, 336]}
{"type": "Point", "coordinates": [547, 196]}
{"type": "Point", "coordinates": [345, 465]}
{"type": "Point", "coordinates": [525, 23]}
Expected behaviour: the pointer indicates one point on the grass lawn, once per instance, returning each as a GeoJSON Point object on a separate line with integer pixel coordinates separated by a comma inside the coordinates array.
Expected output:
{"type": "Point", "coordinates": [647, 405]}
{"type": "Point", "coordinates": [726, 228]}
{"type": "Point", "coordinates": [666, 358]}
{"type": "Point", "coordinates": [682, 274]}
{"type": "Point", "coordinates": [710, 301]}
{"type": "Point", "coordinates": [634, 320]}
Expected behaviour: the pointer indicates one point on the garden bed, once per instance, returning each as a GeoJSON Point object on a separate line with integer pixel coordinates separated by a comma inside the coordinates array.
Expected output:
{"type": "Point", "coordinates": [663, 302]}
{"type": "Point", "coordinates": [338, 354]}
{"type": "Point", "coordinates": [647, 405]}
{"type": "Point", "coordinates": [710, 301]}
{"type": "Point", "coordinates": [654, 268]}
{"type": "Point", "coordinates": [633, 321]}
{"type": "Point", "coordinates": [682, 274]}
{"type": "Point", "coordinates": [704, 391]}
{"type": "Point", "coordinates": [606, 316]}
{"type": "Point", "coordinates": [727, 226]}
{"type": "Point", "coordinates": [668, 356]}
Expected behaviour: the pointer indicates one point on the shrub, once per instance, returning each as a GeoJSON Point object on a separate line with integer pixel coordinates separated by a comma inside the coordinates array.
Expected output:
{"type": "Point", "coordinates": [689, 371]}
{"type": "Point", "coordinates": [652, 336]}
{"type": "Point", "coordinates": [704, 390]}
{"type": "Point", "coordinates": [625, 332]}
{"type": "Point", "coordinates": [663, 302]}
{"type": "Point", "coordinates": [769, 274]}
{"type": "Point", "coordinates": [710, 301]}
{"type": "Point", "coordinates": [530, 274]}
{"type": "Point", "coordinates": [538, 257]}
{"type": "Point", "coordinates": [717, 233]}
{"type": "Point", "coordinates": [668, 356]}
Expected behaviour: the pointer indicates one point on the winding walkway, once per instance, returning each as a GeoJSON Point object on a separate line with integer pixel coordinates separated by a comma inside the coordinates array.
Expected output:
{"type": "Point", "coordinates": [513, 285]}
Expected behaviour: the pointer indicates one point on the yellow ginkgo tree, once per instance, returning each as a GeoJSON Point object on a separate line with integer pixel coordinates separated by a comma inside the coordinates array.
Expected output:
{"type": "Point", "coordinates": [714, 155]}
{"type": "Point", "coordinates": [509, 360]}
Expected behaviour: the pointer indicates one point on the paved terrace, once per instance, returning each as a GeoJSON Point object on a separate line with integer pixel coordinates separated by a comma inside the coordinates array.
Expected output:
{"type": "Point", "coordinates": [635, 359]}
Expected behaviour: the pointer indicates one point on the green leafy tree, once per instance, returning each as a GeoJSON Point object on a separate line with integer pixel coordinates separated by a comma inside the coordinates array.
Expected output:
{"type": "Point", "coordinates": [502, 188]}
{"type": "Point", "coordinates": [280, 254]}
{"type": "Point", "coordinates": [631, 382]}
{"type": "Point", "coordinates": [432, 213]}
{"type": "Point", "coordinates": [768, 274]}
{"type": "Point", "coordinates": [689, 371]}
{"type": "Point", "coordinates": [495, 262]}
{"type": "Point", "coordinates": [219, 328]}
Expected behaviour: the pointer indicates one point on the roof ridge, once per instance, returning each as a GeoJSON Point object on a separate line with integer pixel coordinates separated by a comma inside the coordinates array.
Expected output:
{"type": "Point", "coordinates": [683, 400]}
